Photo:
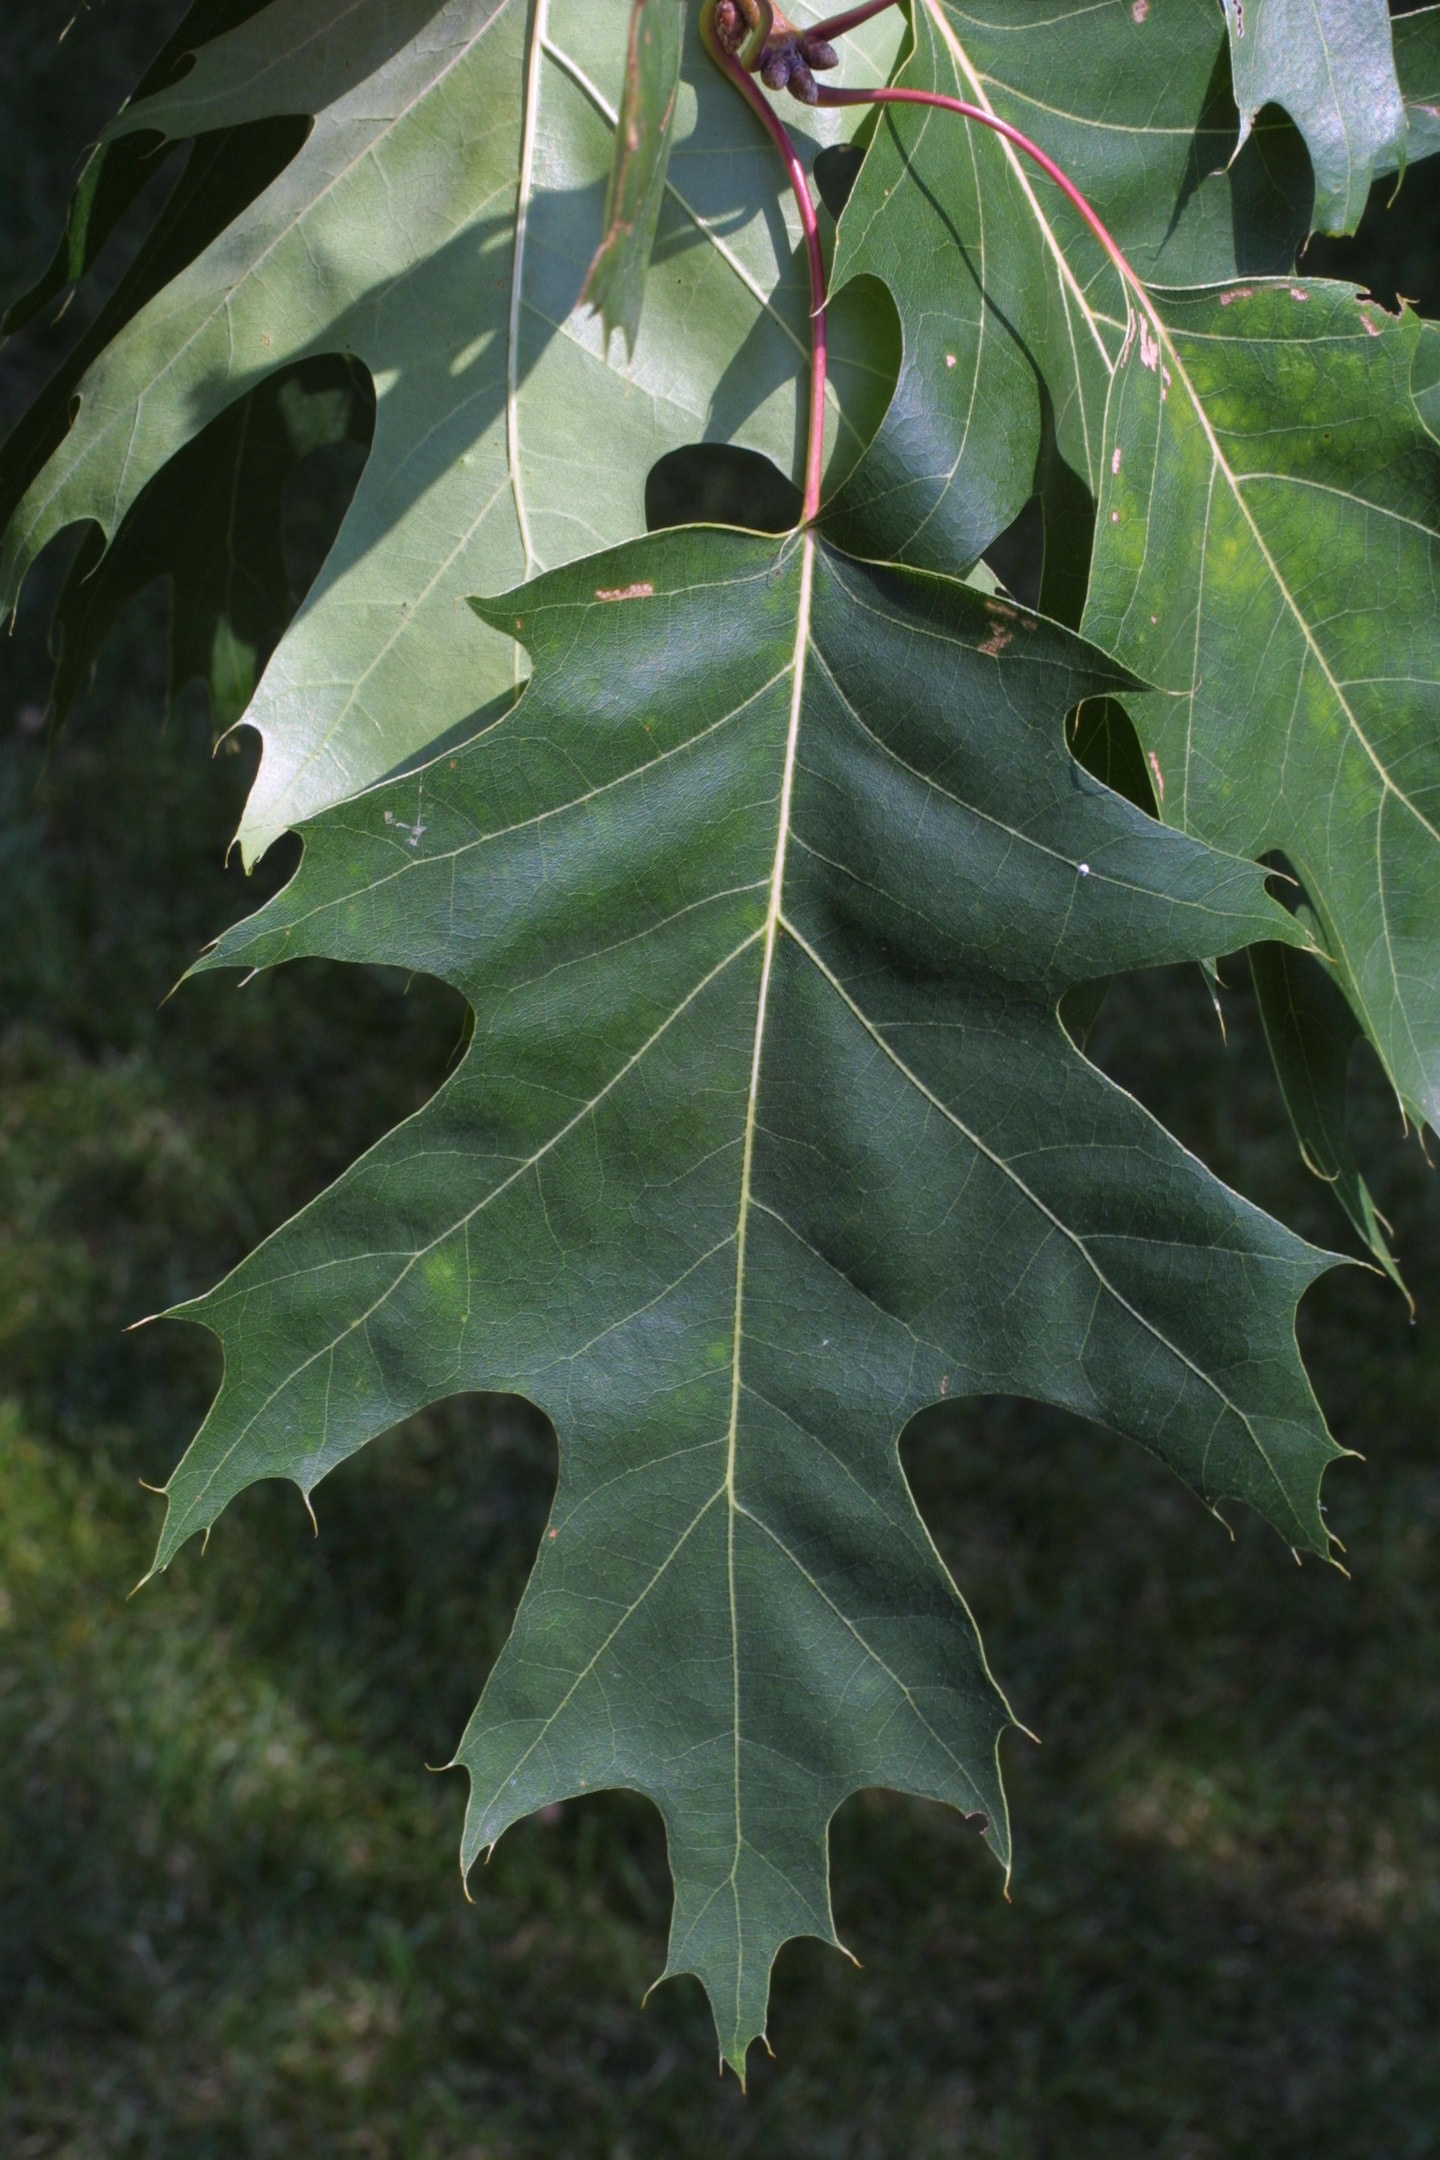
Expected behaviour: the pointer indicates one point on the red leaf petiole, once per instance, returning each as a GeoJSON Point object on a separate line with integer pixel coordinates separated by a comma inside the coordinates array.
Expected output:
{"type": "Point", "coordinates": [779, 134]}
{"type": "Point", "coordinates": [1032, 150]}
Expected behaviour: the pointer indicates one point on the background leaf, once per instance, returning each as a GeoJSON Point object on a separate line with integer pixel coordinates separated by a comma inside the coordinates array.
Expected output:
{"type": "Point", "coordinates": [118, 168]}
{"type": "Point", "coordinates": [763, 897]}
{"type": "Point", "coordinates": [1266, 556]}
{"type": "Point", "coordinates": [211, 524]}
{"type": "Point", "coordinates": [1312, 1034]}
{"type": "Point", "coordinates": [1331, 65]}
{"type": "Point", "coordinates": [1417, 64]}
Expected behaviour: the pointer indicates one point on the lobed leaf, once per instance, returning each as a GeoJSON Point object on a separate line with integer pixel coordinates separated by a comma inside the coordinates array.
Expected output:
{"type": "Point", "coordinates": [1331, 65]}
{"type": "Point", "coordinates": [1011, 314]}
{"type": "Point", "coordinates": [1266, 555]}
{"type": "Point", "coordinates": [436, 226]}
{"type": "Point", "coordinates": [764, 897]}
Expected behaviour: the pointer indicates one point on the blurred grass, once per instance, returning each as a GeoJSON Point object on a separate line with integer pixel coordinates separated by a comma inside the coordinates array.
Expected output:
{"type": "Point", "coordinates": [230, 1919]}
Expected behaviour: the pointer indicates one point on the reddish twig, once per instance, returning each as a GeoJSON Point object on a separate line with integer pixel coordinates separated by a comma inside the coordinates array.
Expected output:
{"type": "Point", "coordinates": [836, 26]}
{"type": "Point", "coordinates": [780, 135]}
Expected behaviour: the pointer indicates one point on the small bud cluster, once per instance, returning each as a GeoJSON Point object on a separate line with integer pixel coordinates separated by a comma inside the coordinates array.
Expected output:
{"type": "Point", "coordinates": [789, 57]}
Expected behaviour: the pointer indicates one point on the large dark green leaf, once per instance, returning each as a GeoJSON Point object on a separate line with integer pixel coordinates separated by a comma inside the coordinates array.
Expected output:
{"type": "Point", "coordinates": [1266, 554]}
{"type": "Point", "coordinates": [437, 225]}
{"type": "Point", "coordinates": [1330, 64]}
{"type": "Point", "coordinates": [764, 896]}
{"type": "Point", "coordinates": [1011, 315]}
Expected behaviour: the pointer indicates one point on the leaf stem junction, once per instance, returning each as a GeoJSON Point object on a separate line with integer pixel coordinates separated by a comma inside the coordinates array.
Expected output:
{"type": "Point", "coordinates": [750, 37]}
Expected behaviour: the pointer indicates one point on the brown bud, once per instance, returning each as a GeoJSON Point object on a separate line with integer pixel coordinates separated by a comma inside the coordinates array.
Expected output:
{"type": "Point", "coordinates": [817, 53]}
{"type": "Point", "coordinates": [729, 26]}
{"type": "Point", "coordinates": [802, 83]}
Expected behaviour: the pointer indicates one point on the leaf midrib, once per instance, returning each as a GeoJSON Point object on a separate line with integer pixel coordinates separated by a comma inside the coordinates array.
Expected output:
{"type": "Point", "coordinates": [799, 654]}
{"type": "Point", "coordinates": [767, 934]}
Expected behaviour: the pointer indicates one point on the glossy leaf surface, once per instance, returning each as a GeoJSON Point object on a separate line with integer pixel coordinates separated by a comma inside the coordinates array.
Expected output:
{"type": "Point", "coordinates": [764, 897]}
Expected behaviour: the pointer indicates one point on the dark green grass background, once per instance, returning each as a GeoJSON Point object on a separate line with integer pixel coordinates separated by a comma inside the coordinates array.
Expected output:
{"type": "Point", "coordinates": [230, 1918]}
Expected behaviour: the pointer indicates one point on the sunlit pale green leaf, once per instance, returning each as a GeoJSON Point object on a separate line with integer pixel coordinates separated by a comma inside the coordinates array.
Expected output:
{"type": "Point", "coordinates": [436, 225]}
{"type": "Point", "coordinates": [764, 897]}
